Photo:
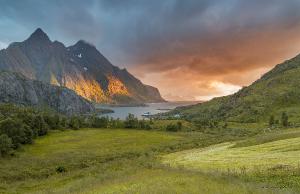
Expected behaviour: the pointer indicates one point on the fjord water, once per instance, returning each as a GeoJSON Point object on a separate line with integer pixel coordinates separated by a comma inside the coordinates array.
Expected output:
{"type": "Point", "coordinates": [152, 108]}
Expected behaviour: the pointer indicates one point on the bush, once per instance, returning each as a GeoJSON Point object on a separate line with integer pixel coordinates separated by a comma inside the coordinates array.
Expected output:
{"type": "Point", "coordinates": [179, 125]}
{"type": "Point", "coordinates": [5, 145]}
{"type": "Point", "coordinates": [171, 127]}
{"type": "Point", "coordinates": [174, 127]}
{"type": "Point", "coordinates": [116, 123]}
{"type": "Point", "coordinates": [99, 122]}
{"type": "Point", "coordinates": [144, 125]}
{"type": "Point", "coordinates": [60, 169]}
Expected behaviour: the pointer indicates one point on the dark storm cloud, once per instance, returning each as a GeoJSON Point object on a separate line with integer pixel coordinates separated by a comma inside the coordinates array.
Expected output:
{"type": "Point", "coordinates": [207, 40]}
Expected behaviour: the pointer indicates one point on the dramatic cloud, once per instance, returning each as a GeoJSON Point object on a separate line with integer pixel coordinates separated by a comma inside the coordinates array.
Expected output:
{"type": "Point", "coordinates": [190, 50]}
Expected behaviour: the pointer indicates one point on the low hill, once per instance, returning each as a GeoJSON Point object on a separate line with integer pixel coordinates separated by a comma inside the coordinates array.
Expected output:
{"type": "Point", "coordinates": [16, 88]}
{"type": "Point", "coordinates": [275, 92]}
{"type": "Point", "coordinates": [80, 67]}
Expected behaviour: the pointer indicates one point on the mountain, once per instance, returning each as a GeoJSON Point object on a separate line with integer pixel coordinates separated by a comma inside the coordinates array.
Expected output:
{"type": "Point", "coordinates": [80, 67]}
{"type": "Point", "coordinates": [16, 88]}
{"type": "Point", "coordinates": [275, 92]}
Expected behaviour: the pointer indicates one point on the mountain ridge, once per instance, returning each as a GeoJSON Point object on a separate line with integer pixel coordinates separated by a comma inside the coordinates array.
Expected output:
{"type": "Point", "coordinates": [17, 89]}
{"type": "Point", "coordinates": [79, 67]}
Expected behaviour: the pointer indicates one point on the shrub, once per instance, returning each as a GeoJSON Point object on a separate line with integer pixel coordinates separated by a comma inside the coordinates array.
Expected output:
{"type": "Point", "coordinates": [60, 169]}
{"type": "Point", "coordinates": [179, 125]}
{"type": "Point", "coordinates": [171, 127]}
{"type": "Point", "coordinates": [174, 127]}
{"type": "Point", "coordinates": [99, 122]}
{"type": "Point", "coordinates": [144, 124]}
{"type": "Point", "coordinates": [5, 145]}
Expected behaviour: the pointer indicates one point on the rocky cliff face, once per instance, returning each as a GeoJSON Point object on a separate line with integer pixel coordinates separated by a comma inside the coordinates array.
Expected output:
{"type": "Point", "coordinates": [80, 67]}
{"type": "Point", "coordinates": [15, 88]}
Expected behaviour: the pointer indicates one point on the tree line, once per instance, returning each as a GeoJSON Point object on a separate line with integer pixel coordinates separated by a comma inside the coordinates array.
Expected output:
{"type": "Point", "coordinates": [21, 125]}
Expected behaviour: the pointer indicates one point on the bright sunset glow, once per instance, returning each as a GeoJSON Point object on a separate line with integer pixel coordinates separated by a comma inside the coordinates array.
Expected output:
{"type": "Point", "coordinates": [180, 47]}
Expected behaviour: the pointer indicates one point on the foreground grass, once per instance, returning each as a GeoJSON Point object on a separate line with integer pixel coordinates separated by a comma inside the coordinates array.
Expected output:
{"type": "Point", "coordinates": [271, 158]}
{"type": "Point", "coordinates": [111, 161]}
{"type": "Point", "coordinates": [171, 181]}
{"type": "Point", "coordinates": [76, 151]}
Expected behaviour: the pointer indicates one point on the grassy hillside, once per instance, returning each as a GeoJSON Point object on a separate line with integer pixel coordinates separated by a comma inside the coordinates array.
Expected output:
{"type": "Point", "coordinates": [276, 92]}
{"type": "Point", "coordinates": [113, 161]}
{"type": "Point", "coordinates": [273, 158]}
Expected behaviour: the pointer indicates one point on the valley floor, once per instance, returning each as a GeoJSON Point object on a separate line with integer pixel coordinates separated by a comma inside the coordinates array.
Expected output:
{"type": "Point", "coordinates": [139, 161]}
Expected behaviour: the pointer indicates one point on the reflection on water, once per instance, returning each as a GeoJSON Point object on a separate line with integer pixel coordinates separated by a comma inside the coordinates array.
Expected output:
{"type": "Point", "coordinates": [152, 108]}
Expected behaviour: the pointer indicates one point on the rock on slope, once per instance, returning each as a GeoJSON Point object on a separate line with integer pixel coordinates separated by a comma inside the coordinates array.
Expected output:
{"type": "Point", "coordinates": [80, 67]}
{"type": "Point", "coordinates": [15, 88]}
{"type": "Point", "coordinates": [276, 92]}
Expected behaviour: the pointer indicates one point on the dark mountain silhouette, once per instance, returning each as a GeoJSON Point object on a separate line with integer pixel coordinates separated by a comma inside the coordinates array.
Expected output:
{"type": "Point", "coordinates": [80, 67]}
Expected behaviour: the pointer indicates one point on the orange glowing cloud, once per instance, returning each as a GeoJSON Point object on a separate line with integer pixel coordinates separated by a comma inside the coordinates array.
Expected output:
{"type": "Point", "coordinates": [218, 66]}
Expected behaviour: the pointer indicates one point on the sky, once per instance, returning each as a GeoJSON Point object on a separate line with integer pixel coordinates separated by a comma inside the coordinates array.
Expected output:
{"type": "Point", "coordinates": [188, 49]}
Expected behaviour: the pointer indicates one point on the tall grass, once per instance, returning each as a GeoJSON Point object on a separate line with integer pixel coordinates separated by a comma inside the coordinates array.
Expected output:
{"type": "Point", "coordinates": [273, 158]}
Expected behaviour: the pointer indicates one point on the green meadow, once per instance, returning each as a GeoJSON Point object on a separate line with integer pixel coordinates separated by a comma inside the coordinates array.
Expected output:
{"type": "Point", "coordinates": [130, 161]}
{"type": "Point", "coordinates": [272, 158]}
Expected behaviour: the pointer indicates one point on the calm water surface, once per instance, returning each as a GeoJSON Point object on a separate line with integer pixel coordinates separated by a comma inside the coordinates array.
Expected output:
{"type": "Point", "coordinates": [153, 108]}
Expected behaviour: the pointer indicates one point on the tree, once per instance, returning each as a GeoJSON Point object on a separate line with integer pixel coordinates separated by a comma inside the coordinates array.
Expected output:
{"type": "Point", "coordinates": [52, 120]}
{"type": "Point", "coordinates": [5, 145]}
{"type": "Point", "coordinates": [131, 121]}
{"type": "Point", "coordinates": [284, 119]}
{"type": "Point", "coordinates": [74, 123]}
{"type": "Point", "coordinates": [14, 129]}
{"type": "Point", "coordinates": [271, 121]}
{"type": "Point", "coordinates": [40, 125]}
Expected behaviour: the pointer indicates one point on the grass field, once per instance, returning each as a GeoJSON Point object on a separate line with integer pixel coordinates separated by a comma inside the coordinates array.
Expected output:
{"type": "Point", "coordinates": [112, 161]}
{"type": "Point", "coordinates": [79, 153]}
{"type": "Point", "coordinates": [273, 157]}
{"type": "Point", "coordinates": [170, 181]}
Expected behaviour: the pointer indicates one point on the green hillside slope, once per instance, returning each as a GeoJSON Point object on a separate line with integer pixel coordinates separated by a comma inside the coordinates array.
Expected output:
{"type": "Point", "coordinates": [275, 92]}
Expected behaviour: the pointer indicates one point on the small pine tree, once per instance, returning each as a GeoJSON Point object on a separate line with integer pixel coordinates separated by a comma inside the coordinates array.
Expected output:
{"type": "Point", "coordinates": [284, 119]}
{"type": "Point", "coordinates": [271, 121]}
